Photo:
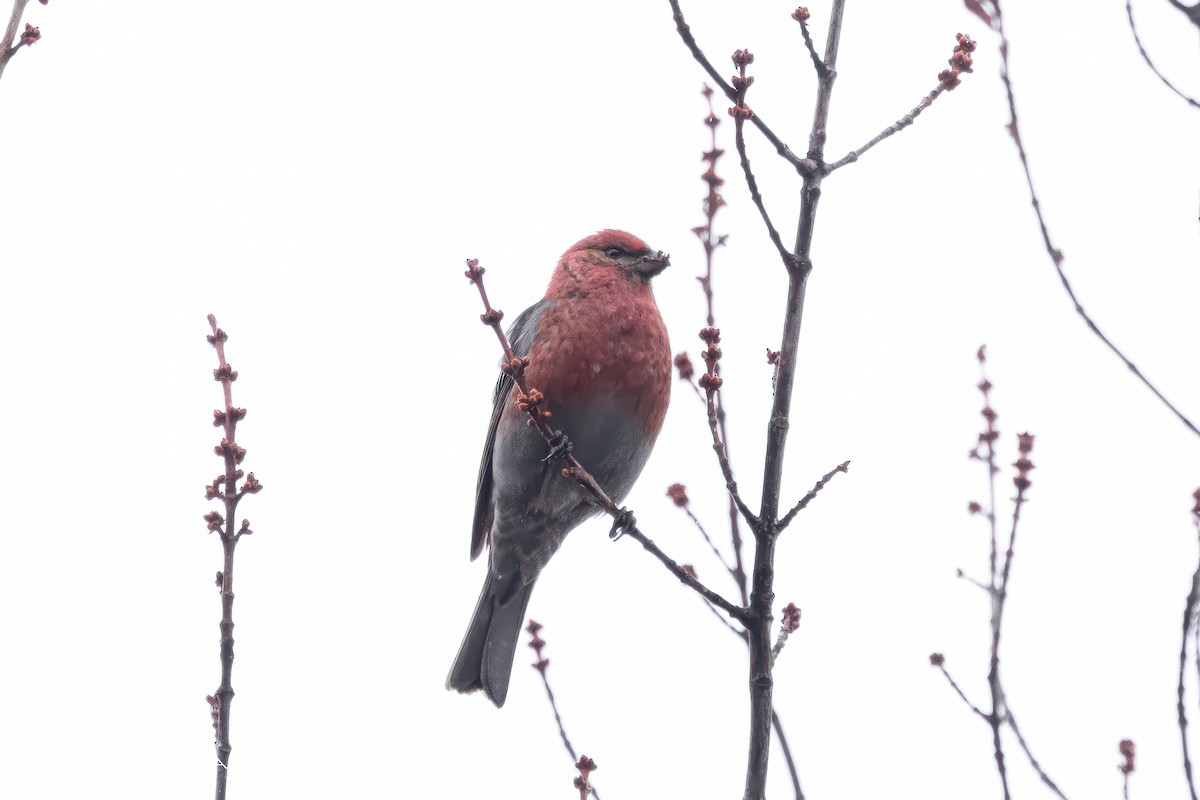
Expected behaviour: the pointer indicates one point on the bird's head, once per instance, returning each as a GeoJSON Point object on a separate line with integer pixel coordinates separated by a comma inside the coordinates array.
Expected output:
{"type": "Point", "coordinates": [622, 250]}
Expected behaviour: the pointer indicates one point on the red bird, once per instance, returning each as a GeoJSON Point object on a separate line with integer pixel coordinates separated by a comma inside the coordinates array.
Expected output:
{"type": "Point", "coordinates": [598, 350]}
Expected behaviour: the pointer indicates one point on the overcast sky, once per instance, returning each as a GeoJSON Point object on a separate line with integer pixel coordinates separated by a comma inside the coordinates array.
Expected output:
{"type": "Point", "coordinates": [315, 175]}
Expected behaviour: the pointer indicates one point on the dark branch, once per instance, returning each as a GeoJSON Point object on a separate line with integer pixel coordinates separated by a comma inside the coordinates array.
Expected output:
{"type": "Point", "coordinates": [685, 33]}
{"type": "Point", "coordinates": [1146, 56]}
{"type": "Point", "coordinates": [1033, 762]}
{"type": "Point", "coordinates": [960, 62]}
{"type": "Point", "coordinates": [1055, 254]}
{"type": "Point", "coordinates": [801, 15]}
{"type": "Point", "coordinates": [812, 493]}
{"type": "Point", "coordinates": [1189, 620]}
{"type": "Point", "coordinates": [541, 665]}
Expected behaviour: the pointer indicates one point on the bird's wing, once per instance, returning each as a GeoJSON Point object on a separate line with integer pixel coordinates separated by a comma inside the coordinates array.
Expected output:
{"type": "Point", "coordinates": [520, 338]}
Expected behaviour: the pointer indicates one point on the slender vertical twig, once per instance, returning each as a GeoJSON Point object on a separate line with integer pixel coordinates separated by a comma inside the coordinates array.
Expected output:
{"type": "Point", "coordinates": [995, 17]}
{"type": "Point", "coordinates": [762, 592]}
{"type": "Point", "coordinates": [541, 665]}
{"type": "Point", "coordinates": [713, 202]}
{"type": "Point", "coordinates": [224, 488]}
{"type": "Point", "coordinates": [999, 573]}
{"type": "Point", "coordinates": [1189, 620]}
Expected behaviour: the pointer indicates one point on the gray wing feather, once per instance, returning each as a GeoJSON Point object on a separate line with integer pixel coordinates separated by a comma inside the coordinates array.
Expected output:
{"type": "Point", "coordinates": [520, 338]}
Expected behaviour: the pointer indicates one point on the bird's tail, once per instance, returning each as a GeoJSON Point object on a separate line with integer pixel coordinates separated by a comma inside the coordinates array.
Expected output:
{"type": "Point", "coordinates": [485, 659]}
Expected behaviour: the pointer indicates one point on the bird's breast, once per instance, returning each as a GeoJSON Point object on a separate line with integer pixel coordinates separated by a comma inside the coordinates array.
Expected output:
{"type": "Point", "coordinates": [604, 347]}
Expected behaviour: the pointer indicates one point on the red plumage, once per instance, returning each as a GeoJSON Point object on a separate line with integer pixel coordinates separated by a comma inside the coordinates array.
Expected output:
{"type": "Point", "coordinates": [602, 334]}
{"type": "Point", "coordinates": [599, 353]}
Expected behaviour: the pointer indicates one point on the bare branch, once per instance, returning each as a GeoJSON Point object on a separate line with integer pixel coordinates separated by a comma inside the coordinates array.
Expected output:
{"type": "Point", "coordinates": [765, 534]}
{"type": "Point", "coordinates": [960, 61]}
{"type": "Point", "coordinates": [541, 664]}
{"type": "Point", "coordinates": [1056, 255]}
{"type": "Point", "coordinates": [801, 15]}
{"type": "Point", "coordinates": [812, 493]}
{"type": "Point", "coordinates": [999, 574]}
{"type": "Point", "coordinates": [787, 755]}
{"type": "Point", "coordinates": [710, 382]}
{"type": "Point", "coordinates": [1033, 762]}
{"type": "Point", "coordinates": [1189, 620]}
{"type": "Point", "coordinates": [1146, 56]}
{"type": "Point", "coordinates": [221, 700]}
{"type": "Point", "coordinates": [787, 626]}
{"type": "Point", "coordinates": [713, 202]}
{"type": "Point", "coordinates": [939, 661]}
{"type": "Point", "coordinates": [741, 113]}
{"type": "Point", "coordinates": [685, 33]}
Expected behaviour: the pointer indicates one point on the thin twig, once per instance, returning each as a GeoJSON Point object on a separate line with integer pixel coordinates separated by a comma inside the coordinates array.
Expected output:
{"type": "Point", "coordinates": [973, 581]}
{"type": "Point", "coordinates": [711, 545]}
{"type": "Point", "coordinates": [711, 382]}
{"type": "Point", "coordinates": [1146, 57]}
{"type": "Point", "coordinates": [896, 127]}
{"type": "Point", "coordinates": [530, 400]}
{"type": "Point", "coordinates": [788, 626]}
{"type": "Point", "coordinates": [1189, 619]}
{"type": "Point", "coordinates": [812, 493]}
{"type": "Point", "coordinates": [801, 15]}
{"type": "Point", "coordinates": [224, 487]}
{"type": "Point", "coordinates": [685, 33]}
{"type": "Point", "coordinates": [1033, 762]}
{"type": "Point", "coordinates": [541, 665]}
{"type": "Point", "coordinates": [736, 631]}
{"type": "Point", "coordinates": [765, 534]}
{"type": "Point", "coordinates": [1000, 571]}
{"type": "Point", "coordinates": [939, 661]}
{"type": "Point", "coordinates": [960, 62]}
{"type": "Point", "coordinates": [713, 202]}
{"type": "Point", "coordinates": [787, 755]}
{"type": "Point", "coordinates": [741, 113]}
{"type": "Point", "coordinates": [1056, 255]}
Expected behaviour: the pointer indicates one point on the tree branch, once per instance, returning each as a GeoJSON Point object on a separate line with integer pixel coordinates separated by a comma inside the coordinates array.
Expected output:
{"type": "Point", "coordinates": [812, 493]}
{"type": "Point", "coordinates": [1146, 56]}
{"type": "Point", "coordinates": [232, 453]}
{"type": "Point", "coordinates": [960, 61]}
{"type": "Point", "coordinates": [1189, 620]}
{"type": "Point", "coordinates": [541, 664]}
{"type": "Point", "coordinates": [1056, 255]}
{"type": "Point", "coordinates": [1033, 762]}
{"type": "Point", "coordinates": [685, 33]}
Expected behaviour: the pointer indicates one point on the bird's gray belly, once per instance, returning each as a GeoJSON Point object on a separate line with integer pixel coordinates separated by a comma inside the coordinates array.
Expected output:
{"type": "Point", "coordinates": [536, 506]}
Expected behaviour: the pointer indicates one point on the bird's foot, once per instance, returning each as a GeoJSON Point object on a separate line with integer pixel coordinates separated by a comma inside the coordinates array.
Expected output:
{"type": "Point", "coordinates": [622, 522]}
{"type": "Point", "coordinates": [560, 445]}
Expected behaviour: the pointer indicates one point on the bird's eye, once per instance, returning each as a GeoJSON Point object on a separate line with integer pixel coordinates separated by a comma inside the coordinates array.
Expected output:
{"type": "Point", "coordinates": [613, 252]}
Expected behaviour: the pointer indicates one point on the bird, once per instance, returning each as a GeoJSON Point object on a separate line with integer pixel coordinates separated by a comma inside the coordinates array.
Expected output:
{"type": "Point", "coordinates": [599, 352]}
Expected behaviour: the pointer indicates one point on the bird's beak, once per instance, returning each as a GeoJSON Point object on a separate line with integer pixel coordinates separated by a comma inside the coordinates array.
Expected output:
{"type": "Point", "coordinates": [651, 265]}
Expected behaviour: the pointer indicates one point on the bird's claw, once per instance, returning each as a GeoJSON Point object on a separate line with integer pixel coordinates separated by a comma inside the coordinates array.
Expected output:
{"type": "Point", "coordinates": [560, 445]}
{"type": "Point", "coordinates": [622, 522]}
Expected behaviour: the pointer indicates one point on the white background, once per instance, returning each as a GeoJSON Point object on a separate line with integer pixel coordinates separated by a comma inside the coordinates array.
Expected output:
{"type": "Point", "coordinates": [316, 174]}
